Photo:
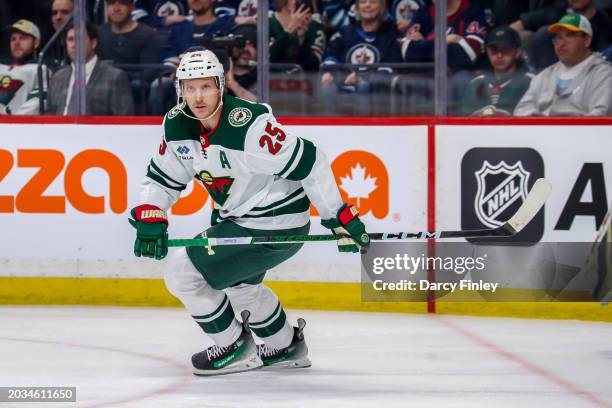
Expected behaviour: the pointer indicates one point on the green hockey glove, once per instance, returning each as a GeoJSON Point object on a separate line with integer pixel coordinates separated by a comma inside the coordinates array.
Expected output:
{"type": "Point", "coordinates": [151, 225]}
{"type": "Point", "coordinates": [347, 223]}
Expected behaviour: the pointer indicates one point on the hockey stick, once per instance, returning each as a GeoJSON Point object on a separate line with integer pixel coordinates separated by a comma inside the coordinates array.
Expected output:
{"type": "Point", "coordinates": [530, 207]}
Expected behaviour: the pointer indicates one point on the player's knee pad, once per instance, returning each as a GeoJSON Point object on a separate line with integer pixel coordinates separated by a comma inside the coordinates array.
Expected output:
{"type": "Point", "coordinates": [180, 275]}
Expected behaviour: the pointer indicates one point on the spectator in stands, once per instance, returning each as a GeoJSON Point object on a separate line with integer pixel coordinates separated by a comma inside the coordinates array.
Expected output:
{"type": "Point", "coordinates": [579, 84]}
{"type": "Point", "coordinates": [19, 87]}
{"type": "Point", "coordinates": [60, 11]}
{"type": "Point", "coordinates": [372, 40]}
{"type": "Point", "coordinates": [108, 88]}
{"type": "Point", "coordinates": [189, 33]}
{"type": "Point", "coordinates": [56, 56]}
{"type": "Point", "coordinates": [503, 12]}
{"type": "Point", "coordinates": [498, 92]}
{"type": "Point", "coordinates": [537, 15]}
{"type": "Point", "coordinates": [336, 14]}
{"type": "Point", "coordinates": [243, 11]}
{"type": "Point", "coordinates": [464, 39]}
{"type": "Point", "coordinates": [160, 13]}
{"type": "Point", "coordinates": [192, 32]}
{"type": "Point", "coordinates": [402, 10]}
{"type": "Point", "coordinates": [295, 38]}
{"type": "Point", "coordinates": [125, 41]}
{"type": "Point", "coordinates": [543, 53]}
{"type": "Point", "coordinates": [246, 12]}
{"type": "Point", "coordinates": [241, 78]}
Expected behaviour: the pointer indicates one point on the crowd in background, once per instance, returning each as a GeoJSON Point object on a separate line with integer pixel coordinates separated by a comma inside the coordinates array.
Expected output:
{"type": "Point", "coordinates": [519, 57]}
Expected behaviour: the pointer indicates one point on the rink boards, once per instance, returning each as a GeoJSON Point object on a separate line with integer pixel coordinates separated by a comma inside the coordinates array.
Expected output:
{"type": "Point", "coordinates": [66, 189]}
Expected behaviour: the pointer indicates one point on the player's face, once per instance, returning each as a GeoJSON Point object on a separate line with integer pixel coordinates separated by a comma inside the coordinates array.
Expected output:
{"type": "Point", "coordinates": [119, 11]}
{"type": "Point", "coordinates": [202, 96]}
{"type": "Point", "coordinates": [60, 10]}
{"type": "Point", "coordinates": [90, 46]}
{"type": "Point", "coordinates": [22, 46]}
{"type": "Point", "coordinates": [571, 47]}
{"type": "Point", "coordinates": [503, 58]}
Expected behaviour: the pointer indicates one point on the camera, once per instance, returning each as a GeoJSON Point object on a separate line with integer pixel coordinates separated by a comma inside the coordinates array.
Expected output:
{"type": "Point", "coordinates": [222, 47]}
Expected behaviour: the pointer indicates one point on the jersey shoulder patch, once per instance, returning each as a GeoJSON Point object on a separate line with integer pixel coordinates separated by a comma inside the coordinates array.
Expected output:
{"type": "Point", "coordinates": [178, 127]}
{"type": "Point", "coordinates": [251, 109]}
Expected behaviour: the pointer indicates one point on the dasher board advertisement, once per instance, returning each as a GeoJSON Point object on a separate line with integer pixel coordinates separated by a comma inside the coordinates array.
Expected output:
{"type": "Point", "coordinates": [66, 192]}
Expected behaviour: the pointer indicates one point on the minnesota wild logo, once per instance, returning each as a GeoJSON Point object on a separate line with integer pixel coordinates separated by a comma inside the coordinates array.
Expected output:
{"type": "Point", "coordinates": [239, 117]}
{"type": "Point", "coordinates": [8, 88]}
{"type": "Point", "coordinates": [217, 187]}
{"type": "Point", "coordinates": [176, 110]}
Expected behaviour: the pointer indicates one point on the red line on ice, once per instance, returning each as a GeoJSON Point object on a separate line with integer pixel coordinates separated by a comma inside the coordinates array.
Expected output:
{"type": "Point", "coordinates": [533, 368]}
{"type": "Point", "coordinates": [181, 381]}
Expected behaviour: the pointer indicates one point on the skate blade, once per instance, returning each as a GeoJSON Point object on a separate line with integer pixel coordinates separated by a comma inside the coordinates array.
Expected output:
{"type": "Point", "coordinates": [252, 363]}
{"type": "Point", "coordinates": [300, 363]}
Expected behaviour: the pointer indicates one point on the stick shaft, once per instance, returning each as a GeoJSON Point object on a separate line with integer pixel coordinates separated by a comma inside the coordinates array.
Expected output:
{"type": "Point", "coordinates": [376, 236]}
{"type": "Point", "coordinates": [530, 207]}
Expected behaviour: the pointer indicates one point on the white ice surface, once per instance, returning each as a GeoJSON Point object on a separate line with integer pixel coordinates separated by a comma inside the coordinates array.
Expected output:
{"type": "Point", "coordinates": [140, 357]}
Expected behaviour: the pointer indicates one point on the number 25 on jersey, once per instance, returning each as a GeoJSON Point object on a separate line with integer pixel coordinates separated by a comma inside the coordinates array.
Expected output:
{"type": "Point", "coordinates": [274, 145]}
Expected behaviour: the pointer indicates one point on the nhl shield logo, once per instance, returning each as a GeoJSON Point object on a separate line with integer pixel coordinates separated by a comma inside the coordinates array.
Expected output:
{"type": "Point", "coordinates": [501, 189]}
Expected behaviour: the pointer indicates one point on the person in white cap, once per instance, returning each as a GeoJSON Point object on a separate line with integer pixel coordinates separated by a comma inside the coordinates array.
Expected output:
{"type": "Point", "coordinates": [579, 84]}
{"type": "Point", "coordinates": [19, 90]}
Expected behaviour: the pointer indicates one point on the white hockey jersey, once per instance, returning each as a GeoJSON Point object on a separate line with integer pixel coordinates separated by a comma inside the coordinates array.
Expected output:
{"type": "Point", "coordinates": [258, 174]}
{"type": "Point", "coordinates": [19, 91]}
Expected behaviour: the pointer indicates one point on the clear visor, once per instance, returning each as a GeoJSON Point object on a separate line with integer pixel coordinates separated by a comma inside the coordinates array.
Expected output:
{"type": "Point", "coordinates": [197, 87]}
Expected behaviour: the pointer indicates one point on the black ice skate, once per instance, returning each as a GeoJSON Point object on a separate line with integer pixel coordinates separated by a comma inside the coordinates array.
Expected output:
{"type": "Point", "coordinates": [293, 356]}
{"type": "Point", "coordinates": [238, 356]}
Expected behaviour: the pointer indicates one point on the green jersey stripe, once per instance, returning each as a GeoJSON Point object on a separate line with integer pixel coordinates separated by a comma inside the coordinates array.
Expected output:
{"type": "Point", "coordinates": [298, 147]}
{"type": "Point", "coordinates": [279, 202]}
{"type": "Point", "coordinates": [157, 178]}
{"type": "Point", "coordinates": [306, 163]}
{"type": "Point", "coordinates": [164, 175]}
{"type": "Point", "coordinates": [296, 207]}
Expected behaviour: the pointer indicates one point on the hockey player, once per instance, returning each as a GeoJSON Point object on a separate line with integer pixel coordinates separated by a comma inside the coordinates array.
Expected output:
{"type": "Point", "coordinates": [19, 90]}
{"type": "Point", "coordinates": [262, 179]}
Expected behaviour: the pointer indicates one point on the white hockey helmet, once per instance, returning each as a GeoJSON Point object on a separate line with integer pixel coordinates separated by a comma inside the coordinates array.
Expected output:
{"type": "Point", "coordinates": [199, 64]}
